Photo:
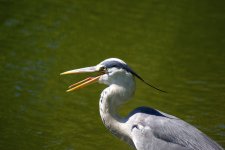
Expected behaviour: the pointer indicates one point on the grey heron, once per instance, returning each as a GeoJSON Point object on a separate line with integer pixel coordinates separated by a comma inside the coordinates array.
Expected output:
{"type": "Point", "coordinates": [144, 128]}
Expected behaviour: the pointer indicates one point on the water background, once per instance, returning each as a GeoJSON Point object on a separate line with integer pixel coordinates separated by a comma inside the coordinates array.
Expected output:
{"type": "Point", "coordinates": [178, 46]}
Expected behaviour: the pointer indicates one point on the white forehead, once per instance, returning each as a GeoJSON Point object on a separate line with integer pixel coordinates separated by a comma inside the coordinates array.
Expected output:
{"type": "Point", "coordinates": [113, 59]}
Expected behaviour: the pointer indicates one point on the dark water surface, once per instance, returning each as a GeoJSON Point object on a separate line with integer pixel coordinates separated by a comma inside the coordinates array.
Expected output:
{"type": "Point", "coordinates": [178, 46]}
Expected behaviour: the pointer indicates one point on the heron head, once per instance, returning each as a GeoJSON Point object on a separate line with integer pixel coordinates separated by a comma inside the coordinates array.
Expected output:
{"type": "Point", "coordinates": [110, 71]}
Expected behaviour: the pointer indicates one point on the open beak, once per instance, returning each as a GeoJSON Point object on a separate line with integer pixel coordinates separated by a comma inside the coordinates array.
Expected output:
{"type": "Point", "coordinates": [84, 82]}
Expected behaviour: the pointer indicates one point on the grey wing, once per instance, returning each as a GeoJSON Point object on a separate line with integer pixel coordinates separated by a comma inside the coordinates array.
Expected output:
{"type": "Point", "coordinates": [159, 131]}
{"type": "Point", "coordinates": [144, 139]}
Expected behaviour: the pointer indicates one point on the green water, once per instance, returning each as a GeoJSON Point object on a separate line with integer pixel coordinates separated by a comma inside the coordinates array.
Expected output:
{"type": "Point", "coordinates": [178, 46]}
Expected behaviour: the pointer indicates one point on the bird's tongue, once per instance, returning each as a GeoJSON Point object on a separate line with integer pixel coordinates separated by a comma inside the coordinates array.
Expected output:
{"type": "Point", "coordinates": [83, 83]}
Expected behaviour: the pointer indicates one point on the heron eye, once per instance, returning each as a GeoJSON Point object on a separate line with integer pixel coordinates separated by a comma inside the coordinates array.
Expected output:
{"type": "Point", "coordinates": [103, 68]}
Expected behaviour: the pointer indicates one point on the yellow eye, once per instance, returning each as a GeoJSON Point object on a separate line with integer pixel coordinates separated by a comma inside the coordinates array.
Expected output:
{"type": "Point", "coordinates": [102, 68]}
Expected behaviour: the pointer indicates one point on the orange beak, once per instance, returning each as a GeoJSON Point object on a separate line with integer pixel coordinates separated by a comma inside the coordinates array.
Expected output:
{"type": "Point", "coordinates": [84, 82]}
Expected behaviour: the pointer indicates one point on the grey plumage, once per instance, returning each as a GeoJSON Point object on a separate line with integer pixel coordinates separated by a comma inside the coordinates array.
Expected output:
{"type": "Point", "coordinates": [154, 130]}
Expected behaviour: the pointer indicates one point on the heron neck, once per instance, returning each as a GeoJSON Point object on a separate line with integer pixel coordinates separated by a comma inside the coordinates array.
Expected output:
{"type": "Point", "coordinates": [111, 99]}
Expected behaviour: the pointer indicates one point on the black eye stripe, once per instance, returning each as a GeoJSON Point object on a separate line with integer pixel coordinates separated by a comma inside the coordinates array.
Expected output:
{"type": "Point", "coordinates": [117, 64]}
{"type": "Point", "coordinates": [111, 64]}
